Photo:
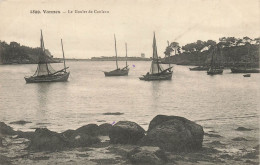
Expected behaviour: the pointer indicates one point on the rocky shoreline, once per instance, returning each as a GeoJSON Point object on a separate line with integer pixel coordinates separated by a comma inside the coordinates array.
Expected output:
{"type": "Point", "coordinates": [168, 140]}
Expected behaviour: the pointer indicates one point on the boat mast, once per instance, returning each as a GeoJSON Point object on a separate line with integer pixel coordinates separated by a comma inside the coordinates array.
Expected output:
{"type": "Point", "coordinates": [211, 63]}
{"type": "Point", "coordinates": [155, 52]}
{"type": "Point", "coordinates": [169, 55]}
{"type": "Point", "coordinates": [43, 52]}
{"type": "Point", "coordinates": [116, 51]}
{"type": "Point", "coordinates": [126, 54]}
{"type": "Point", "coordinates": [63, 55]}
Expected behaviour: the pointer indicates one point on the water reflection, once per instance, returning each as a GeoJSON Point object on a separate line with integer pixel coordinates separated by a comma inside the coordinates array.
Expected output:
{"type": "Point", "coordinates": [43, 100]}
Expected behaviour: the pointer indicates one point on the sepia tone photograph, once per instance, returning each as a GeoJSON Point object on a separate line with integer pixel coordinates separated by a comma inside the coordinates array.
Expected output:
{"type": "Point", "coordinates": [133, 82]}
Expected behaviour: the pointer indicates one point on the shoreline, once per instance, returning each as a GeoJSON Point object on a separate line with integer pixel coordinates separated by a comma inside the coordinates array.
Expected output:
{"type": "Point", "coordinates": [240, 148]}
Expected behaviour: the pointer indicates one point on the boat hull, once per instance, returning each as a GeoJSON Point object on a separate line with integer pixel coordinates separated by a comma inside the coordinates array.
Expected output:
{"type": "Point", "coordinates": [215, 71]}
{"type": "Point", "coordinates": [247, 75]}
{"type": "Point", "coordinates": [157, 77]}
{"type": "Point", "coordinates": [117, 72]}
{"type": "Point", "coordinates": [53, 78]}
{"type": "Point", "coordinates": [240, 70]}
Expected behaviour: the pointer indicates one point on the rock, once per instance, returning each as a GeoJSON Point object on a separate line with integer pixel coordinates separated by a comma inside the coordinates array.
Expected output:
{"type": "Point", "coordinates": [239, 139]}
{"type": "Point", "coordinates": [26, 135]}
{"type": "Point", "coordinates": [5, 160]}
{"type": "Point", "coordinates": [126, 132]}
{"type": "Point", "coordinates": [252, 155]}
{"type": "Point", "coordinates": [68, 134]}
{"type": "Point", "coordinates": [113, 113]}
{"type": "Point", "coordinates": [1, 142]}
{"type": "Point", "coordinates": [104, 129]}
{"type": "Point", "coordinates": [147, 156]}
{"type": "Point", "coordinates": [90, 129]}
{"type": "Point", "coordinates": [251, 162]}
{"type": "Point", "coordinates": [217, 143]}
{"type": "Point", "coordinates": [212, 135]}
{"type": "Point", "coordinates": [256, 147]}
{"type": "Point", "coordinates": [226, 156]}
{"type": "Point", "coordinates": [243, 129]}
{"type": "Point", "coordinates": [174, 133]}
{"type": "Point", "coordinates": [21, 122]}
{"type": "Point", "coordinates": [81, 137]}
{"type": "Point", "coordinates": [46, 140]}
{"type": "Point", "coordinates": [6, 130]}
{"type": "Point", "coordinates": [82, 140]}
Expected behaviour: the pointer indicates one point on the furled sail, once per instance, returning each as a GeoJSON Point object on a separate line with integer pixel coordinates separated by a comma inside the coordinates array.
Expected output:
{"type": "Point", "coordinates": [155, 66]}
{"type": "Point", "coordinates": [44, 68]}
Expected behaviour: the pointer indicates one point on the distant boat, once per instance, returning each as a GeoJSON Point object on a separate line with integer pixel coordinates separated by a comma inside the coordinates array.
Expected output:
{"type": "Point", "coordinates": [118, 72]}
{"type": "Point", "coordinates": [44, 72]}
{"type": "Point", "coordinates": [215, 67]}
{"type": "Point", "coordinates": [247, 75]}
{"type": "Point", "coordinates": [156, 70]}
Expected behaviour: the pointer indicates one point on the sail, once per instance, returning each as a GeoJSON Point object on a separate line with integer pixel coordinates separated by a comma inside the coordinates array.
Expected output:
{"type": "Point", "coordinates": [155, 66]}
{"type": "Point", "coordinates": [44, 68]}
{"type": "Point", "coordinates": [155, 55]}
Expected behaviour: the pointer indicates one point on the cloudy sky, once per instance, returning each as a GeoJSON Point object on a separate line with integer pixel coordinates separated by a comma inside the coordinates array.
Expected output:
{"type": "Point", "coordinates": [87, 35]}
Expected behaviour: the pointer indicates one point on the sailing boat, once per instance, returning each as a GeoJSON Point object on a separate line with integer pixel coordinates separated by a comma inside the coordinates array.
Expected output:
{"type": "Point", "coordinates": [156, 70]}
{"type": "Point", "coordinates": [44, 72]}
{"type": "Point", "coordinates": [118, 72]}
{"type": "Point", "coordinates": [214, 67]}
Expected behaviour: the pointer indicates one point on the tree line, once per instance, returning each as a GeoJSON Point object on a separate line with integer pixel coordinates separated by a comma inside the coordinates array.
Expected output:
{"type": "Point", "coordinates": [16, 53]}
{"type": "Point", "coordinates": [233, 50]}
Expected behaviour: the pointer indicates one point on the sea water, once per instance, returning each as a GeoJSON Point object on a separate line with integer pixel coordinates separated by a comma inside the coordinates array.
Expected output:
{"type": "Point", "coordinates": [220, 102]}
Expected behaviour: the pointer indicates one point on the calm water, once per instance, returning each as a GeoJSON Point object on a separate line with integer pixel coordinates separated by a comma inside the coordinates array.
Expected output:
{"type": "Point", "coordinates": [219, 102]}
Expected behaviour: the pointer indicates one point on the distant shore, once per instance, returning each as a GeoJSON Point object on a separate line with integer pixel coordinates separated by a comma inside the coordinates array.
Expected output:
{"type": "Point", "coordinates": [106, 59]}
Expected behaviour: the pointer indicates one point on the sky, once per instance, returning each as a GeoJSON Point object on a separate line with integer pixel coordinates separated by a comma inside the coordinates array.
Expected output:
{"type": "Point", "coordinates": [86, 35]}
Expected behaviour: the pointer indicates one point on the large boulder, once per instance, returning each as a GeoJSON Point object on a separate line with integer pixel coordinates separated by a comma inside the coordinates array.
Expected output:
{"type": "Point", "coordinates": [6, 130]}
{"type": "Point", "coordinates": [82, 137]}
{"type": "Point", "coordinates": [174, 133]}
{"type": "Point", "coordinates": [44, 139]}
{"type": "Point", "coordinates": [26, 135]}
{"type": "Point", "coordinates": [126, 132]}
{"type": "Point", "coordinates": [81, 140]}
{"type": "Point", "coordinates": [104, 129]}
{"type": "Point", "coordinates": [147, 156]}
{"type": "Point", "coordinates": [90, 129]}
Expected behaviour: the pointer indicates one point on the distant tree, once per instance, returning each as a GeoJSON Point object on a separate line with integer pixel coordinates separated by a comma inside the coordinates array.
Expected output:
{"type": "Point", "coordinates": [247, 40]}
{"type": "Point", "coordinates": [239, 41]}
{"type": "Point", "coordinates": [223, 42]}
{"type": "Point", "coordinates": [174, 46]}
{"type": "Point", "coordinates": [189, 47]}
{"type": "Point", "coordinates": [231, 41]}
{"type": "Point", "coordinates": [210, 43]}
{"type": "Point", "coordinates": [257, 40]}
{"type": "Point", "coordinates": [199, 45]}
{"type": "Point", "coordinates": [168, 51]}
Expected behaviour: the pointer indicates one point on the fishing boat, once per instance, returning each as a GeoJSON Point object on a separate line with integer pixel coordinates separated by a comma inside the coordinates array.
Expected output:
{"type": "Point", "coordinates": [45, 72]}
{"type": "Point", "coordinates": [118, 72]}
{"type": "Point", "coordinates": [215, 67]}
{"type": "Point", "coordinates": [247, 75]}
{"type": "Point", "coordinates": [156, 71]}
